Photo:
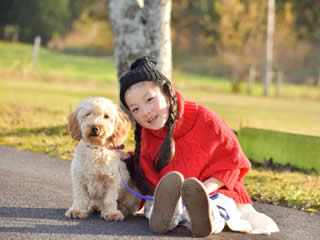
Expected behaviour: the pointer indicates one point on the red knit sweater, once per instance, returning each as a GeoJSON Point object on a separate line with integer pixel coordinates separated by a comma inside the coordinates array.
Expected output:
{"type": "Point", "coordinates": [205, 147]}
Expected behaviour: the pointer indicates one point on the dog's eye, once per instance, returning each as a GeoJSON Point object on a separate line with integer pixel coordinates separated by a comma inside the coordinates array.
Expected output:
{"type": "Point", "coordinates": [106, 116]}
{"type": "Point", "coordinates": [87, 114]}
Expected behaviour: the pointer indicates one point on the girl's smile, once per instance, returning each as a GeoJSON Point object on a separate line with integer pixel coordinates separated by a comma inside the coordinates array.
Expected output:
{"type": "Point", "coordinates": [148, 105]}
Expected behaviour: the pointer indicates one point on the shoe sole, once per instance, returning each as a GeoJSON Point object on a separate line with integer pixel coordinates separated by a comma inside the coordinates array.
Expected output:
{"type": "Point", "coordinates": [196, 201]}
{"type": "Point", "coordinates": [167, 194]}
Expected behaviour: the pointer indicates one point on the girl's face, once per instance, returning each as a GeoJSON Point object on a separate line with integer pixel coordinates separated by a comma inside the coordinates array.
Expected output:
{"type": "Point", "coordinates": [148, 105]}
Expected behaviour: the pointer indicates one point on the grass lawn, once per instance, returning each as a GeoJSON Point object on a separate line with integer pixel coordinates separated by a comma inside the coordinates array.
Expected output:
{"type": "Point", "coordinates": [35, 102]}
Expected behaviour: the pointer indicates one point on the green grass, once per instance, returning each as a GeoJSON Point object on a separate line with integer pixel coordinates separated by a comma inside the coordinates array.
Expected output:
{"type": "Point", "coordinates": [55, 66]}
{"type": "Point", "coordinates": [35, 102]}
{"type": "Point", "coordinates": [285, 188]}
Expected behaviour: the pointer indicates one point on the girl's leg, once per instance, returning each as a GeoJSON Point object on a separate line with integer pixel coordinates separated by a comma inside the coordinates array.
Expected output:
{"type": "Point", "coordinates": [180, 215]}
{"type": "Point", "coordinates": [205, 213]}
{"type": "Point", "coordinates": [204, 216]}
{"type": "Point", "coordinates": [162, 210]}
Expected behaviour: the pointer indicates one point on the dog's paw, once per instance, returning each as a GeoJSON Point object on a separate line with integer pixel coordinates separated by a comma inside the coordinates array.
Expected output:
{"type": "Point", "coordinates": [113, 216]}
{"type": "Point", "coordinates": [123, 210]}
{"type": "Point", "coordinates": [76, 213]}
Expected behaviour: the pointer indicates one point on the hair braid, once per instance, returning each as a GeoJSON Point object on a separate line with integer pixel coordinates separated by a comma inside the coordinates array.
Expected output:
{"type": "Point", "coordinates": [167, 149]}
{"type": "Point", "coordinates": [140, 179]}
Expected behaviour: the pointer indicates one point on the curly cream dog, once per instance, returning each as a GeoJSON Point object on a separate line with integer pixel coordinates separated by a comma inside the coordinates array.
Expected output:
{"type": "Point", "coordinates": [100, 126]}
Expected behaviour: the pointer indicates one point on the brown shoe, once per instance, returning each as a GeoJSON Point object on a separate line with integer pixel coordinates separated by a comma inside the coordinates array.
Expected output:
{"type": "Point", "coordinates": [196, 201]}
{"type": "Point", "coordinates": [166, 196]}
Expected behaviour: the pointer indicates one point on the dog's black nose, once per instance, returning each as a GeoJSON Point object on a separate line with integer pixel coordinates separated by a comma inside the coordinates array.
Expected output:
{"type": "Point", "coordinates": [94, 130]}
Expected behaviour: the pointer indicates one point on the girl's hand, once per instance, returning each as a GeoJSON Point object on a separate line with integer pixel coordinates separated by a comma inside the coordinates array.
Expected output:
{"type": "Point", "coordinates": [124, 155]}
{"type": "Point", "coordinates": [212, 184]}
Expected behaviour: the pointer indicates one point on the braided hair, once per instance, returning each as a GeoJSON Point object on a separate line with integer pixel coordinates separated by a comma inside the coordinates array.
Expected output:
{"type": "Point", "coordinates": [143, 69]}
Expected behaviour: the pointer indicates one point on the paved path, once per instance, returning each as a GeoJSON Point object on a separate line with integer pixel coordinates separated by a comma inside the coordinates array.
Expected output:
{"type": "Point", "coordinates": [35, 191]}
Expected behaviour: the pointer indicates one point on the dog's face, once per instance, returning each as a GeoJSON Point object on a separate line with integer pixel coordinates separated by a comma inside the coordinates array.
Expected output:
{"type": "Point", "coordinates": [98, 122]}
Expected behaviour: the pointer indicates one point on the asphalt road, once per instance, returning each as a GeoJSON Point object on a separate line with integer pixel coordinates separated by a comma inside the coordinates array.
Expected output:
{"type": "Point", "coordinates": [35, 191]}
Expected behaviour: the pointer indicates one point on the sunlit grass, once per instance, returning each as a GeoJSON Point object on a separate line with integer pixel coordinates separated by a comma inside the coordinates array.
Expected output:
{"type": "Point", "coordinates": [285, 188]}
{"type": "Point", "coordinates": [54, 65]}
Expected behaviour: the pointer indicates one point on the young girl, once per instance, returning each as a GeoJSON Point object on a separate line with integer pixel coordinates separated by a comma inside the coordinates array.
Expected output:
{"type": "Point", "coordinates": [186, 158]}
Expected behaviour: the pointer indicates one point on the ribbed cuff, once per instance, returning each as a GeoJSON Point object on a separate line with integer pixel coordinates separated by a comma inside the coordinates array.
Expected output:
{"type": "Point", "coordinates": [228, 177]}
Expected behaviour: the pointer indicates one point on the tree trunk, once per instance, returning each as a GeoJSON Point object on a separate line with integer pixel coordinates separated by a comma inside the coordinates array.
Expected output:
{"type": "Point", "coordinates": [143, 31]}
{"type": "Point", "coordinates": [279, 82]}
{"type": "Point", "coordinates": [269, 50]}
{"type": "Point", "coordinates": [251, 79]}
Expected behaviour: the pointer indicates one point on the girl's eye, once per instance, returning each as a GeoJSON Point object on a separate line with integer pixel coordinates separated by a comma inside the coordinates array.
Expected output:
{"type": "Point", "coordinates": [87, 114]}
{"type": "Point", "coordinates": [106, 116]}
{"type": "Point", "coordinates": [149, 99]}
{"type": "Point", "coordinates": [134, 110]}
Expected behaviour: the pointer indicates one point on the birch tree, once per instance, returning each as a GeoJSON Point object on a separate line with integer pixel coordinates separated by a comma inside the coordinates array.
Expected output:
{"type": "Point", "coordinates": [269, 49]}
{"type": "Point", "coordinates": [141, 28]}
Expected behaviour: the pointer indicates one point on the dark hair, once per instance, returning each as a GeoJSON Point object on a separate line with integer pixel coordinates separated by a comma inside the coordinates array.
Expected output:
{"type": "Point", "coordinates": [143, 69]}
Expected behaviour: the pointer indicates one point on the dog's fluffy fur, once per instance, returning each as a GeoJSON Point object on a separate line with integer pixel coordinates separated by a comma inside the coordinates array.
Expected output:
{"type": "Point", "coordinates": [99, 125]}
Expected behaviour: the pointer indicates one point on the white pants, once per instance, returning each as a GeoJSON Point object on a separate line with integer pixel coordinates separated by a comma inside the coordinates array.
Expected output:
{"type": "Point", "coordinates": [242, 217]}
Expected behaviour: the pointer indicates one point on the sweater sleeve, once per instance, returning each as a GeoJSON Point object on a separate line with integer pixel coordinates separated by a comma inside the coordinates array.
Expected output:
{"type": "Point", "coordinates": [226, 161]}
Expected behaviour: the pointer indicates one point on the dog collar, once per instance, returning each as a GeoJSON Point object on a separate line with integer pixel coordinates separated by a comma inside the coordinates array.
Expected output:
{"type": "Point", "coordinates": [112, 147]}
{"type": "Point", "coordinates": [109, 147]}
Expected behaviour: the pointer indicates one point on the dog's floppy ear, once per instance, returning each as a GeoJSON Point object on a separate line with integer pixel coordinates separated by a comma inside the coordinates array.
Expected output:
{"type": "Point", "coordinates": [122, 127]}
{"type": "Point", "coordinates": [73, 125]}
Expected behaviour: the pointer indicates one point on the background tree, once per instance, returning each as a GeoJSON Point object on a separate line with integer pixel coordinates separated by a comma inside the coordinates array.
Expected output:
{"type": "Point", "coordinates": [40, 17]}
{"type": "Point", "coordinates": [193, 26]}
{"type": "Point", "coordinates": [213, 37]}
{"type": "Point", "coordinates": [141, 31]}
{"type": "Point", "coordinates": [90, 32]}
{"type": "Point", "coordinates": [289, 48]}
{"type": "Point", "coordinates": [307, 18]}
{"type": "Point", "coordinates": [241, 31]}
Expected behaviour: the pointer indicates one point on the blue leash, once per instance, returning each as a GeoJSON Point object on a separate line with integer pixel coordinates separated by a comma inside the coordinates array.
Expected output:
{"type": "Point", "coordinates": [223, 212]}
{"type": "Point", "coordinates": [133, 192]}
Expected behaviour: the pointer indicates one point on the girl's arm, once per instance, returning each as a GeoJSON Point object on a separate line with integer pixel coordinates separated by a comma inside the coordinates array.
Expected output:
{"type": "Point", "coordinates": [212, 184]}
{"type": "Point", "coordinates": [128, 158]}
{"type": "Point", "coordinates": [124, 155]}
